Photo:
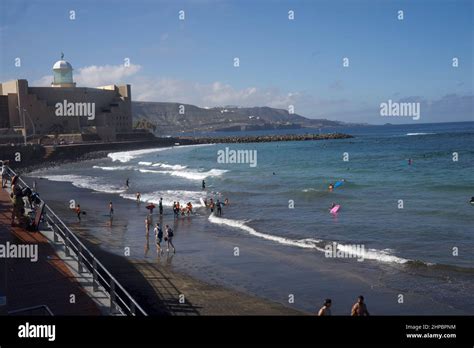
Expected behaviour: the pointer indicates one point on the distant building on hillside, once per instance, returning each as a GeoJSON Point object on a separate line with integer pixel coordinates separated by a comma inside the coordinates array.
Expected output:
{"type": "Point", "coordinates": [81, 113]}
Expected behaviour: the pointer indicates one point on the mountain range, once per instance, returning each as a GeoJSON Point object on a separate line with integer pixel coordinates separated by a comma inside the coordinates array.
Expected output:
{"type": "Point", "coordinates": [167, 118]}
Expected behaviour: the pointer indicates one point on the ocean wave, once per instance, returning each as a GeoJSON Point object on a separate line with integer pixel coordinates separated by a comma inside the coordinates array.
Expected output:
{"type": "Point", "coordinates": [169, 166]}
{"type": "Point", "coordinates": [114, 168]}
{"type": "Point", "coordinates": [87, 182]}
{"type": "Point", "coordinates": [309, 243]}
{"type": "Point", "coordinates": [408, 134]}
{"type": "Point", "coordinates": [187, 174]}
{"type": "Point", "coordinates": [145, 163]}
{"type": "Point", "coordinates": [169, 197]}
{"type": "Point", "coordinates": [127, 156]}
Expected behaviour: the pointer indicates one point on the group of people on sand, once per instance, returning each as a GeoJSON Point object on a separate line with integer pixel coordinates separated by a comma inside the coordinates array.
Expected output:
{"type": "Point", "coordinates": [359, 309]}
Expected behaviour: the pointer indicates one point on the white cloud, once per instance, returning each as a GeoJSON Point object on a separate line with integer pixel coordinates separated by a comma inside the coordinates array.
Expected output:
{"type": "Point", "coordinates": [204, 95]}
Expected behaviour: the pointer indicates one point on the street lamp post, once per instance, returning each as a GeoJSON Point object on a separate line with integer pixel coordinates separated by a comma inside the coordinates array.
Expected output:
{"type": "Point", "coordinates": [22, 113]}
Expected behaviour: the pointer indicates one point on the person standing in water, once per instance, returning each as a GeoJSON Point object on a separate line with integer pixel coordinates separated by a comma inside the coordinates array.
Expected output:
{"type": "Point", "coordinates": [78, 212]}
{"type": "Point", "coordinates": [139, 196]}
{"type": "Point", "coordinates": [158, 237]}
{"type": "Point", "coordinates": [169, 238]}
{"type": "Point", "coordinates": [147, 226]}
{"type": "Point", "coordinates": [111, 209]}
{"type": "Point", "coordinates": [160, 206]}
{"type": "Point", "coordinates": [203, 185]}
{"type": "Point", "coordinates": [219, 207]}
{"type": "Point", "coordinates": [211, 205]}
{"type": "Point", "coordinates": [126, 183]}
{"type": "Point", "coordinates": [359, 309]}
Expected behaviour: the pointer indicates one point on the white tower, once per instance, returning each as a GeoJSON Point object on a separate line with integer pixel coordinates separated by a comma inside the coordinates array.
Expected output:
{"type": "Point", "coordinates": [62, 73]}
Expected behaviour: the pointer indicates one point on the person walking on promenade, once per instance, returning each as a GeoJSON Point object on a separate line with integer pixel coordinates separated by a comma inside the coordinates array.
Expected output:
{"type": "Point", "coordinates": [360, 309]}
{"type": "Point", "coordinates": [3, 170]}
{"type": "Point", "coordinates": [326, 308]}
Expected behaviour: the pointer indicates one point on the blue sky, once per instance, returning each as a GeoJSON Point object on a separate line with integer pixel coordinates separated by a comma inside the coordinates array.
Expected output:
{"type": "Point", "coordinates": [282, 62]}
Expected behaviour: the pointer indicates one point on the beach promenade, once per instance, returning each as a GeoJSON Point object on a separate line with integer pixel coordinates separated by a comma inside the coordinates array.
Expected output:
{"type": "Point", "coordinates": [46, 282]}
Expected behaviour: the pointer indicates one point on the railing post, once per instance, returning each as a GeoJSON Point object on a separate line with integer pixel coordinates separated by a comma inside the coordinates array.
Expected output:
{"type": "Point", "coordinates": [66, 244]}
{"type": "Point", "coordinates": [79, 259]}
{"type": "Point", "coordinates": [94, 276]}
{"type": "Point", "coordinates": [55, 235]}
{"type": "Point", "coordinates": [112, 296]}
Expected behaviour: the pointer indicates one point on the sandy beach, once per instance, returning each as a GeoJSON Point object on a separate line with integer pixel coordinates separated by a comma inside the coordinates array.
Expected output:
{"type": "Point", "coordinates": [153, 281]}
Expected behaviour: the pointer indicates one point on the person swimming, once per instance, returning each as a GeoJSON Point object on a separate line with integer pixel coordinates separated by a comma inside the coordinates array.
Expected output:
{"type": "Point", "coordinates": [472, 200]}
{"type": "Point", "coordinates": [331, 187]}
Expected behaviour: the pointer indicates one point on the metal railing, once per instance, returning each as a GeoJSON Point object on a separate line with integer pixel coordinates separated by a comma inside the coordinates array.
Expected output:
{"type": "Point", "coordinates": [35, 310]}
{"type": "Point", "coordinates": [121, 302]}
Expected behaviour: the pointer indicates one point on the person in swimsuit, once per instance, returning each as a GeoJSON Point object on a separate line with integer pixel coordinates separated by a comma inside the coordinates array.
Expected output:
{"type": "Point", "coordinates": [78, 212]}
{"type": "Point", "coordinates": [160, 206]}
{"type": "Point", "coordinates": [111, 209]}
{"type": "Point", "coordinates": [326, 308]}
{"type": "Point", "coordinates": [359, 309]}
{"type": "Point", "coordinates": [147, 225]}
{"type": "Point", "coordinates": [139, 196]}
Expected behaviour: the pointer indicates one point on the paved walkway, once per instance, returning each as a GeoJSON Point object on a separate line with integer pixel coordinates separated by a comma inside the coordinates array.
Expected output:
{"type": "Point", "coordinates": [45, 282]}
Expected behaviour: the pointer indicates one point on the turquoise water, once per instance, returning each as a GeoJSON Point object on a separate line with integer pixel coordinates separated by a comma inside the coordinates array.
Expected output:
{"type": "Point", "coordinates": [283, 203]}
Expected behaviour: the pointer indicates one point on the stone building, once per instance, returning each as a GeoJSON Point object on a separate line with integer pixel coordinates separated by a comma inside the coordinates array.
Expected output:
{"type": "Point", "coordinates": [99, 113]}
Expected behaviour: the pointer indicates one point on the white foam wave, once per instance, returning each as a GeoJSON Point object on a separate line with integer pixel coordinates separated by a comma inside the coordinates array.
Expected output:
{"type": "Point", "coordinates": [145, 163]}
{"type": "Point", "coordinates": [187, 174]}
{"type": "Point", "coordinates": [170, 166]}
{"type": "Point", "coordinates": [87, 182]}
{"type": "Point", "coordinates": [309, 243]}
{"type": "Point", "coordinates": [419, 133]}
{"type": "Point", "coordinates": [113, 168]}
{"type": "Point", "coordinates": [303, 243]}
{"type": "Point", "coordinates": [169, 197]}
{"type": "Point", "coordinates": [126, 156]}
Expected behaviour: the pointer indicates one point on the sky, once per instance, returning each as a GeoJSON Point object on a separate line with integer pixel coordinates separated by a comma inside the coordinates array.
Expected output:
{"type": "Point", "coordinates": [282, 62]}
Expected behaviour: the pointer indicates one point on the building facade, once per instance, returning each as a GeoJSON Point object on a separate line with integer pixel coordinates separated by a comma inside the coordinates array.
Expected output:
{"type": "Point", "coordinates": [100, 113]}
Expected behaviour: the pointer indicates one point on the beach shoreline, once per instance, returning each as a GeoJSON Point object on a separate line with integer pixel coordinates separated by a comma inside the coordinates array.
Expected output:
{"type": "Point", "coordinates": [158, 286]}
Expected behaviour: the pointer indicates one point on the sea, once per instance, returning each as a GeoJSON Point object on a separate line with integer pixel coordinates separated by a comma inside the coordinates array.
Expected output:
{"type": "Point", "coordinates": [403, 236]}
